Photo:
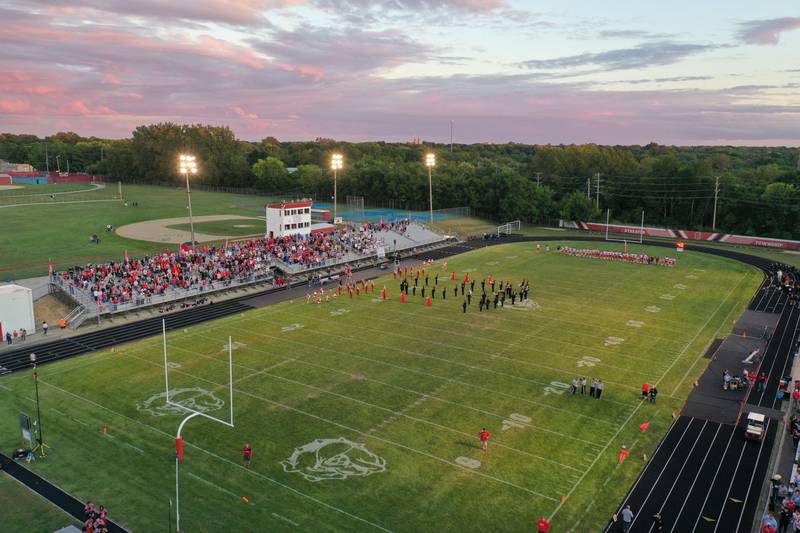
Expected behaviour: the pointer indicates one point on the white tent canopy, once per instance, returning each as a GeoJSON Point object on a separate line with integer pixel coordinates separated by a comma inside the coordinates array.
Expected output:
{"type": "Point", "coordinates": [16, 309]}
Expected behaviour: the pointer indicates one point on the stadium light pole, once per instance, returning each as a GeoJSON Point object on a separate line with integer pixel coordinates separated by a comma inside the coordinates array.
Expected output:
{"type": "Point", "coordinates": [430, 162]}
{"type": "Point", "coordinates": [336, 165]}
{"type": "Point", "coordinates": [40, 445]}
{"type": "Point", "coordinates": [188, 166]}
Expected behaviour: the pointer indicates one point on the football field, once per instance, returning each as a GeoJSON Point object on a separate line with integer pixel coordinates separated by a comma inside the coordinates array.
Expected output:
{"type": "Point", "coordinates": [364, 414]}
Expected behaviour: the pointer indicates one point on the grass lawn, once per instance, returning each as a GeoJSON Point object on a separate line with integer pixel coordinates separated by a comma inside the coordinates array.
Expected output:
{"type": "Point", "coordinates": [465, 226]}
{"type": "Point", "coordinates": [29, 189]}
{"type": "Point", "coordinates": [24, 510]}
{"type": "Point", "coordinates": [226, 227]}
{"type": "Point", "coordinates": [411, 386]}
{"type": "Point", "coordinates": [60, 231]}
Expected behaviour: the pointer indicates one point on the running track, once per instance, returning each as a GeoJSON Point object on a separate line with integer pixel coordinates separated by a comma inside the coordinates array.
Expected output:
{"type": "Point", "coordinates": [704, 476]}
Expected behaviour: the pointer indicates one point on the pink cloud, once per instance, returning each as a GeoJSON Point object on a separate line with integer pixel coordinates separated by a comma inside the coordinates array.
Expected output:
{"type": "Point", "coordinates": [767, 31]}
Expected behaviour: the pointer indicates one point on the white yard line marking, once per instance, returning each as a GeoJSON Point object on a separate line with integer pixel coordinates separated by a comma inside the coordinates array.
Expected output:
{"type": "Point", "coordinates": [212, 454]}
{"type": "Point", "coordinates": [483, 355]}
{"type": "Point", "coordinates": [445, 379]}
{"type": "Point", "coordinates": [714, 336]}
{"type": "Point", "coordinates": [428, 374]}
{"type": "Point", "coordinates": [212, 484]}
{"type": "Point", "coordinates": [394, 414]}
{"type": "Point", "coordinates": [5, 388]}
{"type": "Point", "coordinates": [281, 517]}
{"type": "Point", "coordinates": [388, 441]}
{"type": "Point", "coordinates": [132, 446]}
{"type": "Point", "coordinates": [558, 507]}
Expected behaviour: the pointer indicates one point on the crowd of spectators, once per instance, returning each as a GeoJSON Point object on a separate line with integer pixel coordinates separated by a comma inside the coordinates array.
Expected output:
{"type": "Point", "coordinates": [96, 519]}
{"type": "Point", "coordinates": [610, 255]}
{"type": "Point", "coordinates": [137, 280]}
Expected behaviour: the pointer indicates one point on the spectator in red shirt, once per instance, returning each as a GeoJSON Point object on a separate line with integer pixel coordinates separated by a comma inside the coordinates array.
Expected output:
{"type": "Point", "coordinates": [248, 455]}
{"type": "Point", "coordinates": [484, 436]}
{"type": "Point", "coordinates": [645, 391]}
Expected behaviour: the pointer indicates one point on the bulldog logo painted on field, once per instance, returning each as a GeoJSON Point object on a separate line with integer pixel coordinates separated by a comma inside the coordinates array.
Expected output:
{"type": "Point", "coordinates": [340, 458]}
{"type": "Point", "coordinates": [194, 398]}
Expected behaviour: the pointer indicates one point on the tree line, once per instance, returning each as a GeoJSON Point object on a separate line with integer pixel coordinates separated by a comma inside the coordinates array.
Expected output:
{"type": "Point", "coordinates": [757, 190]}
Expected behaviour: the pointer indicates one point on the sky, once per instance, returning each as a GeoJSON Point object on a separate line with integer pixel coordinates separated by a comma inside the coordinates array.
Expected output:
{"type": "Point", "coordinates": [611, 72]}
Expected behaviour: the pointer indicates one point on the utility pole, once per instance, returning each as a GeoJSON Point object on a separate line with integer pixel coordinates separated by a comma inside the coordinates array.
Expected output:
{"type": "Point", "coordinates": [451, 136]}
{"type": "Point", "coordinates": [538, 176]}
{"type": "Point", "coordinates": [46, 158]}
{"type": "Point", "coordinates": [716, 195]}
{"type": "Point", "coordinates": [588, 188]}
{"type": "Point", "coordinates": [597, 196]}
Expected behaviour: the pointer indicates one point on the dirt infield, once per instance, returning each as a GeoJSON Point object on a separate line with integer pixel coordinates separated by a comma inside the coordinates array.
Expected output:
{"type": "Point", "coordinates": [157, 230]}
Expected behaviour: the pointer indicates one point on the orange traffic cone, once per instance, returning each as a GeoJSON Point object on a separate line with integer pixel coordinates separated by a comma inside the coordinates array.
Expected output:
{"type": "Point", "coordinates": [428, 302]}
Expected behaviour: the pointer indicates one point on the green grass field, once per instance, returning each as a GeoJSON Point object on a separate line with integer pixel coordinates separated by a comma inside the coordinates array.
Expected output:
{"type": "Point", "coordinates": [24, 510]}
{"type": "Point", "coordinates": [412, 386]}
{"type": "Point", "coordinates": [255, 226]}
{"type": "Point", "coordinates": [60, 231]}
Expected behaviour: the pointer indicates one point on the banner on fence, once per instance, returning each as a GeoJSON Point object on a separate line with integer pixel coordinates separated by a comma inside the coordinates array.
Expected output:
{"type": "Point", "coordinates": [727, 238]}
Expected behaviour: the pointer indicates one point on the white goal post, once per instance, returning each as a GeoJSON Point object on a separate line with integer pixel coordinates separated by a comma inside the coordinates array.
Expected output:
{"type": "Point", "coordinates": [189, 410]}
{"type": "Point", "coordinates": [509, 227]}
{"type": "Point", "coordinates": [632, 239]}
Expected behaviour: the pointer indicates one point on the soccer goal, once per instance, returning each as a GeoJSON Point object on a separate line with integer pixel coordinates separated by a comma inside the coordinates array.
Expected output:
{"type": "Point", "coordinates": [631, 234]}
{"type": "Point", "coordinates": [355, 205]}
{"type": "Point", "coordinates": [509, 227]}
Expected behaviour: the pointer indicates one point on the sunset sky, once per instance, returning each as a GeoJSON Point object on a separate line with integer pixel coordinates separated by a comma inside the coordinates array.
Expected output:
{"type": "Point", "coordinates": [612, 72]}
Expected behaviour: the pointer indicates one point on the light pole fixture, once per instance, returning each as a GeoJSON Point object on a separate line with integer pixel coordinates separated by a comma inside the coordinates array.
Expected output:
{"type": "Point", "coordinates": [430, 162]}
{"type": "Point", "coordinates": [188, 166]}
{"type": "Point", "coordinates": [336, 165]}
{"type": "Point", "coordinates": [40, 445]}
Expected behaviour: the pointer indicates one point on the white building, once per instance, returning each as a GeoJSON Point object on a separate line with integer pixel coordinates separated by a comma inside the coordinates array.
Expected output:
{"type": "Point", "coordinates": [16, 309]}
{"type": "Point", "coordinates": [290, 218]}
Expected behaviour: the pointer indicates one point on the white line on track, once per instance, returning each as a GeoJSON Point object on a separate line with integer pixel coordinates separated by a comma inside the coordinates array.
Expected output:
{"type": "Point", "coordinates": [676, 477]}
{"type": "Point", "coordinates": [733, 478]}
{"type": "Point", "coordinates": [713, 480]}
{"type": "Point", "coordinates": [752, 476]}
{"type": "Point", "coordinates": [212, 454]}
{"type": "Point", "coordinates": [697, 475]}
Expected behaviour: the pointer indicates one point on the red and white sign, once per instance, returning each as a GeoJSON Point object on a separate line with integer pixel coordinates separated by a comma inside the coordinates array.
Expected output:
{"type": "Point", "coordinates": [707, 236]}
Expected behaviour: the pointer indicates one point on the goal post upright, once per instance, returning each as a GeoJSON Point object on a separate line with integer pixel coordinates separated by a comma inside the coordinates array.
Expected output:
{"type": "Point", "coordinates": [191, 413]}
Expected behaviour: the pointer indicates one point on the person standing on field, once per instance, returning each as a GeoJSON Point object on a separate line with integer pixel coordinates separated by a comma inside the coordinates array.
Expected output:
{"type": "Point", "coordinates": [248, 455]}
{"type": "Point", "coordinates": [583, 386]}
{"type": "Point", "coordinates": [599, 391]}
{"type": "Point", "coordinates": [592, 385]}
{"type": "Point", "coordinates": [45, 327]}
{"type": "Point", "coordinates": [574, 385]}
{"type": "Point", "coordinates": [484, 437]}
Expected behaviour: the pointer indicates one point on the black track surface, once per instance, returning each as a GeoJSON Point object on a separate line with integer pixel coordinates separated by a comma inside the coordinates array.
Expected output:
{"type": "Point", "coordinates": [695, 459]}
{"type": "Point", "coordinates": [62, 499]}
{"type": "Point", "coordinates": [703, 477]}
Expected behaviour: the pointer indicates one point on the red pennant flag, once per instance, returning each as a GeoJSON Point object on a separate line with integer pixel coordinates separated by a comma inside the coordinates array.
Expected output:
{"type": "Point", "coordinates": [644, 426]}
{"type": "Point", "coordinates": [428, 303]}
{"type": "Point", "coordinates": [563, 500]}
{"type": "Point", "coordinates": [402, 298]}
